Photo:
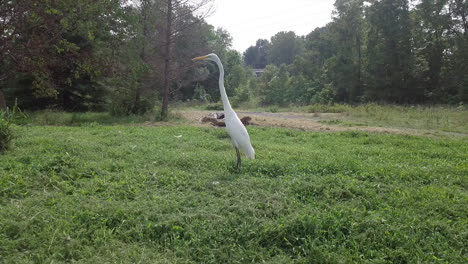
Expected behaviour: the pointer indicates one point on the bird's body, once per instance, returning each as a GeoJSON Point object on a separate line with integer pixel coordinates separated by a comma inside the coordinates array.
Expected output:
{"type": "Point", "coordinates": [239, 136]}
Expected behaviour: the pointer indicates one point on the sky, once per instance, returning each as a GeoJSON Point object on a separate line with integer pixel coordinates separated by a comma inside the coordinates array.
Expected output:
{"type": "Point", "coordinates": [249, 20]}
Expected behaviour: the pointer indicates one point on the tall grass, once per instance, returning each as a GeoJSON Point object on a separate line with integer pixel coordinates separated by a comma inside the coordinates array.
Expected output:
{"type": "Point", "coordinates": [89, 118]}
{"type": "Point", "coordinates": [441, 118]}
{"type": "Point", "coordinates": [327, 108]}
{"type": "Point", "coordinates": [6, 133]}
{"type": "Point", "coordinates": [444, 118]}
{"type": "Point", "coordinates": [7, 118]}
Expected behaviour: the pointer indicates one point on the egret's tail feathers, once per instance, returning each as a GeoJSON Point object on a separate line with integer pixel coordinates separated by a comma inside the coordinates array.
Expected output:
{"type": "Point", "coordinates": [250, 153]}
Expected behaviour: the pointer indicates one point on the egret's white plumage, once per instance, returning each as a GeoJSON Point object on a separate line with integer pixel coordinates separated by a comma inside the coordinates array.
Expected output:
{"type": "Point", "coordinates": [236, 130]}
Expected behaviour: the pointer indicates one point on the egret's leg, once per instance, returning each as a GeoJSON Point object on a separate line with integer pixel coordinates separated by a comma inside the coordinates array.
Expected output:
{"type": "Point", "coordinates": [238, 158]}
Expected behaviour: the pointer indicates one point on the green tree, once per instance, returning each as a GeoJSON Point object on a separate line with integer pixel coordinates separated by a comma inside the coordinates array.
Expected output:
{"type": "Point", "coordinates": [285, 46]}
{"type": "Point", "coordinates": [219, 41]}
{"type": "Point", "coordinates": [257, 56]}
{"type": "Point", "coordinates": [456, 73]}
{"type": "Point", "coordinates": [178, 19]}
{"type": "Point", "coordinates": [300, 90]}
{"type": "Point", "coordinates": [390, 65]}
{"type": "Point", "coordinates": [319, 47]}
{"type": "Point", "coordinates": [347, 31]}
{"type": "Point", "coordinates": [432, 22]}
{"type": "Point", "coordinates": [274, 85]}
{"type": "Point", "coordinates": [236, 74]}
{"type": "Point", "coordinates": [57, 52]}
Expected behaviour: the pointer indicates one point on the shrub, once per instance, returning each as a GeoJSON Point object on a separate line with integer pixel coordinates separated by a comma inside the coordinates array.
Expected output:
{"type": "Point", "coordinates": [325, 96]}
{"type": "Point", "coordinates": [201, 94]}
{"type": "Point", "coordinates": [7, 117]}
{"type": "Point", "coordinates": [5, 131]}
{"type": "Point", "coordinates": [215, 107]}
{"type": "Point", "coordinates": [273, 109]}
{"type": "Point", "coordinates": [242, 95]}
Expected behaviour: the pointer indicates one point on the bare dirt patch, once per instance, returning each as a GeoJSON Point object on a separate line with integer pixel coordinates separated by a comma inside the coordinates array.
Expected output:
{"type": "Point", "coordinates": [302, 121]}
{"type": "Point", "coordinates": [326, 122]}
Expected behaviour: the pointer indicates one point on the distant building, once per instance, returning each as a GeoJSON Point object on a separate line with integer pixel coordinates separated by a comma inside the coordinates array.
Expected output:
{"type": "Point", "coordinates": [258, 72]}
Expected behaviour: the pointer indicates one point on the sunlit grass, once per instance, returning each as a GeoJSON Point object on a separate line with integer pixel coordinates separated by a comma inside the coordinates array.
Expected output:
{"type": "Point", "coordinates": [59, 118]}
{"type": "Point", "coordinates": [441, 118]}
{"type": "Point", "coordinates": [129, 194]}
{"type": "Point", "coordinates": [453, 119]}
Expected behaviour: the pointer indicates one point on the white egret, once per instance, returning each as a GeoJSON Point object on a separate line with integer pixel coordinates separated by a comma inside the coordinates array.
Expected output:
{"type": "Point", "coordinates": [239, 136]}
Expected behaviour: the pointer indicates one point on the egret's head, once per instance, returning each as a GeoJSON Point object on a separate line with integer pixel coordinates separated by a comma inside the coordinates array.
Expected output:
{"type": "Point", "coordinates": [211, 57]}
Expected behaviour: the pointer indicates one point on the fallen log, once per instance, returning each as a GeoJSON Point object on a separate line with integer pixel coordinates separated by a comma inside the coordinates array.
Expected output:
{"type": "Point", "coordinates": [219, 123]}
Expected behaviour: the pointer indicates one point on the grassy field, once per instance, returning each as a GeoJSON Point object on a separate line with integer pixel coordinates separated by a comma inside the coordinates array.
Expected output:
{"type": "Point", "coordinates": [94, 193]}
{"type": "Point", "coordinates": [449, 119]}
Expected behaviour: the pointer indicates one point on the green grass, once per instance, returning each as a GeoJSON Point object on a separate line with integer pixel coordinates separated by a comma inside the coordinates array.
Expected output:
{"type": "Point", "coordinates": [130, 194]}
{"type": "Point", "coordinates": [58, 118]}
{"type": "Point", "coordinates": [450, 119]}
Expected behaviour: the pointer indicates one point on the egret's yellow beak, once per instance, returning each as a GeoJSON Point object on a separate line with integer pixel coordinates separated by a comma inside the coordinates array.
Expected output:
{"type": "Point", "coordinates": [200, 58]}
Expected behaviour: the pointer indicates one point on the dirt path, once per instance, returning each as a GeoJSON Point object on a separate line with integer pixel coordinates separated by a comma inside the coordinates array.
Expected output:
{"type": "Point", "coordinates": [289, 115]}
{"type": "Point", "coordinates": [313, 122]}
{"type": "Point", "coordinates": [302, 121]}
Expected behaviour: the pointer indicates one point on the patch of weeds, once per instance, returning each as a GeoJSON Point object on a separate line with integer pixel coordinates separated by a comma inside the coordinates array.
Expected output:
{"type": "Point", "coordinates": [7, 118]}
{"type": "Point", "coordinates": [353, 124]}
{"type": "Point", "coordinates": [266, 169]}
{"type": "Point", "coordinates": [290, 133]}
{"type": "Point", "coordinates": [214, 107]}
{"type": "Point", "coordinates": [273, 109]}
{"type": "Point", "coordinates": [297, 236]}
{"type": "Point", "coordinates": [328, 108]}
{"type": "Point", "coordinates": [331, 122]}
{"type": "Point", "coordinates": [219, 133]}
{"type": "Point", "coordinates": [353, 134]}
{"type": "Point", "coordinates": [6, 133]}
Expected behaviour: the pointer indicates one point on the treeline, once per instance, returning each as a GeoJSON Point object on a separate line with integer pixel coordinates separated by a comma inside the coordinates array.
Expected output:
{"type": "Point", "coordinates": [394, 51]}
{"type": "Point", "coordinates": [115, 55]}
{"type": "Point", "coordinates": [129, 57]}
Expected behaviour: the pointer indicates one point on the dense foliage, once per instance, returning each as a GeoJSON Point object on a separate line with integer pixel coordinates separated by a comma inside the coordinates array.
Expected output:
{"type": "Point", "coordinates": [102, 55]}
{"type": "Point", "coordinates": [396, 51]}
{"type": "Point", "coordinates": [130, 56]}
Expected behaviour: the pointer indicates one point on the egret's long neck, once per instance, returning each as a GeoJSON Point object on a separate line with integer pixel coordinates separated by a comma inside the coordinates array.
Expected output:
{"type": "Point", "coordinates": [222, 90]}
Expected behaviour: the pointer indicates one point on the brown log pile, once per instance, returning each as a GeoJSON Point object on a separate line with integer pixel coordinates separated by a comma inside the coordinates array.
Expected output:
{"type": "Point", "coordinates": [220, 122]}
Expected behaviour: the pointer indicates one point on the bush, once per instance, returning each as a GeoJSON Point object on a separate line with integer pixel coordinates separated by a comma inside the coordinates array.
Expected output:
{"type": "Point", "coordinates": [5, 132]}
{"type": "Point", "coordinates": [201, 94]}
{"type": "Point", "coordinates": [273, 109]}
{"type": "Point", "coordinates": [325, 96]}
{"type": "Point", "coordinates": [242, 95]}
{"type": "Point", "coordinates": [126, 105]}
{"type": "Point", "coordinates": [7, 117]}
{"type": "Point", "coordinates": [215, 107]}
{"type": "Point", "coordinates": [328, 108]}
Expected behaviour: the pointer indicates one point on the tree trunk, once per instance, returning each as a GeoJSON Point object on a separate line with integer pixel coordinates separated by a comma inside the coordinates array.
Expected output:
{"type": "Point", "coordinates": [358, 85]}
{"type": "Point", "coordinates": [145, 8]}
{"type": "Point", "coordinates": [2, 101]}
{"type": "Point", "coordinates": [167, 60]}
